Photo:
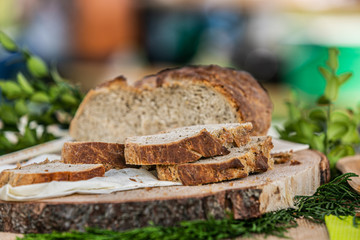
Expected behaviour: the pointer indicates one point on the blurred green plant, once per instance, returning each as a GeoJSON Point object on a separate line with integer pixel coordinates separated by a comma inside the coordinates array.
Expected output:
{"type": "Point", "coordinates": [37, 98]}
{"type": "Point", "coordinates": [325, 128]}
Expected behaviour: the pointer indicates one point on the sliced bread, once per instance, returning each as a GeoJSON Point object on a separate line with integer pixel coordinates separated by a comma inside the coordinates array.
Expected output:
{"type": "Point", "coordinates": [186, 144]}
{"type": "Point", "coordinates": [111, 155]}
{"type": "Point", "coordinates": [192, 95]}
{"type": "Point", "coordinates": [50, 171]}
{"type": "Point", "coordinates": [251, 158]}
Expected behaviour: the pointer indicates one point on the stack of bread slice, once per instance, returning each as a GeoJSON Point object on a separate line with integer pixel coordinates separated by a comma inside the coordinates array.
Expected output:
{"type": "Point", "coordinates": [194, 155]}
{"type": "Point", "coordinates": [203, 153]}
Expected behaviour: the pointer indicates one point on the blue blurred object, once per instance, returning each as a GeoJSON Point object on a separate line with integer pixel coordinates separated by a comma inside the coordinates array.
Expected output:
{"type": "Point", "coordinates": [10, 65]}
{"type": "Point", "coordinates": [172, 36]}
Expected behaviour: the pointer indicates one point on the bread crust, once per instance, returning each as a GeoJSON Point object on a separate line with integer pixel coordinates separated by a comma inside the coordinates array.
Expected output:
{"type": "Point", "coordinates": [184, 150]}
{"type": "Point", "coordinates": [256, 160]}
{"type": "Point", "coordinates": [19, 179]}
{"type": "Point", "coordinates": [249, 100]}
{"type": "Point", "coordinates": [111, 155]}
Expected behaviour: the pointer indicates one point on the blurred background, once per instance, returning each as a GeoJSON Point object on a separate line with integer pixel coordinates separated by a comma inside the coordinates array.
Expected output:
{"type": "Point", "coordinates": [280, 42]}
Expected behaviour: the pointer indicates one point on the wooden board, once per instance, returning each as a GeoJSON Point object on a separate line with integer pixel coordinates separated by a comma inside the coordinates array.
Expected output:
{"type": "Point", "coordinates": [248, 197]}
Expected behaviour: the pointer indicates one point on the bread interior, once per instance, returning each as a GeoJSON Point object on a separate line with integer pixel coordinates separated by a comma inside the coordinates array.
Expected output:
{"type": "Point", "coordinates": [119, 113]}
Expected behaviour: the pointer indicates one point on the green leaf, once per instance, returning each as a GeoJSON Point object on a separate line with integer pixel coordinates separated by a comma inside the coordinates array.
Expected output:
{"type": "Point", "coordinates": [294, 111]}
{"type": "Point", "coordinates": [54, 92]}
{"type": "Point", "coordinates": [21, 108]}
{"type": "Point", "coordinates": [351, 136]}
{"type": "Point", "coordinates": [69, 99]}
{"type": "Point", "coordinates": [331, 90]}
{"type": "Point", "coordinates": [336, 130]}
{"type": "Point", "coordinates": [306, 128]}
{"type": "Point", "coordinates": [318, 115]}
{"type": "Point", "coordinates": [40, 97]}
{"type": "Point", "coordinates": [28, 139]}
{"type": "Point", "coordinates": [8, 115]}
{"type": "Point", "coordinates": [333, 62]}
{"type": "Point", "coordinates": [325, 73]}
{"type": "Point", "coordinates": [11, 89]}
{"type": "Point", "coordinates": [323, 100]}
{"type": "Point", "coordinates": [340, 116]}
{"type": "Point", "coordinates": [7, 42]}
{"type": "Point", "coordinates": [342, 78]}
{"type": "Point", "coordinates": [338, 152]}
{"type": "Point", "coordinates": [37, 67]}
{"type": "Point", "coordinates": [5, 144]}
{"type": "Point", "coordinates": [56, 76]}
{"type": "Point", "coordinates": [24, 84]}
{"type": "Point", "coordinates": [318, 142]}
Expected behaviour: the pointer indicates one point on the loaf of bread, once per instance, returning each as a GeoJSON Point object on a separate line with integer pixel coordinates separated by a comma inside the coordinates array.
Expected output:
{"type": "Point", "coordinates": [186, 144]}
{"type": "Point", "coordinates": [50, 171]}
{"type": "Point", "coordinates": [111, 155]}
{"type": "Point", "coordinates": [254, 157]}
{"type": "Point", "coordinates": [173, 98]}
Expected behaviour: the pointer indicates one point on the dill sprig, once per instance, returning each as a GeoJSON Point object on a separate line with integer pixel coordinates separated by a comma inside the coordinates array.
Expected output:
{"type": "Point", "coordinates": [274, 223]}
{"type": "Point", "coordinates": [336, 198]}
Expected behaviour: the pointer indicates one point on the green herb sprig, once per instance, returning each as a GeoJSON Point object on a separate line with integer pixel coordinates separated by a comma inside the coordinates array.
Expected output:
{"type": "Point", "coordinates": [37, 98]}
{"type": "Point", "coordinates": [335, 197]}
{"type": "Point", "coordinates": [331, 131]}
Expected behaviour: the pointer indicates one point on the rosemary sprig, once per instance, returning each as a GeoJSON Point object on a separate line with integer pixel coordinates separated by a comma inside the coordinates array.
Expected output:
{"type": "Point", "coordinates": [335, 197]}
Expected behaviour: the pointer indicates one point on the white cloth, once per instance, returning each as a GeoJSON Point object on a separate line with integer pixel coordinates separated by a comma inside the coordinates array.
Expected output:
{"type": "Point", "coordinates": [114, 180]}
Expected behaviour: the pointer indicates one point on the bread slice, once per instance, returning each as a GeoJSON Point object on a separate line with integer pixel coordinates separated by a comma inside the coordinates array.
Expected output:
{"type": "Point", "coordinates": [192, 95]}
{"type": "Point", "coordinates": [186, 144]}
{"type": "Point", "coordinates": [251, 158]}
{"type": "Point", "coordinates": [50, 171]}
{"type": "Point", "coordinates": [111, 155]}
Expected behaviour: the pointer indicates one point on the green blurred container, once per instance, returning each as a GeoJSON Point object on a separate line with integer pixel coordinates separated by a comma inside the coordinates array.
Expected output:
{"type": "Point", "coordinates": [300, 71]}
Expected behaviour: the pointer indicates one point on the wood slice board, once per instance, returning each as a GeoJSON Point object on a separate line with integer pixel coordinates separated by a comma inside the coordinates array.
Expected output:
{"type": "Point", "coordinates": [245, 198]}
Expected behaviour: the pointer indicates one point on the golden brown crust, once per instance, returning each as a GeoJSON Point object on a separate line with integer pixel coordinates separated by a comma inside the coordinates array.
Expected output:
{"type": "Point", "coordinates": [184, 150]}
{"type": "Point", "coordinates": [246, 95]}
{"type": "Point", "coordinates": [257, 159]}
{"type": "Point", "coordinates": [196, 174]}
{"type": "Point", "coordinates": [111, 155]}
{"type": "Point", "coordinates": [19, 179]}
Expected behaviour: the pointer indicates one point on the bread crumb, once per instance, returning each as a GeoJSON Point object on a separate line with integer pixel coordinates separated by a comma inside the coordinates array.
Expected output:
{"type": "Point", "coordinates": [134, 180]}
{"type": "Point", "coordinates": [295, 162]}
{"type": "Point", "coordinates": [148, 188]}
{"type": "Point", "coordinates": [18, 165]}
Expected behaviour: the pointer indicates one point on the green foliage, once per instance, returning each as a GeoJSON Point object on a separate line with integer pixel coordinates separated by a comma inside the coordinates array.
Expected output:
{"type": "Point", "coordinates": [39, 95]}
{"type": "Point", "coordinates": [7, 42]}
{"type": "Point", "coordinates": [329, 130]}
{"type": "Point", "coordinates": [335, 197]}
